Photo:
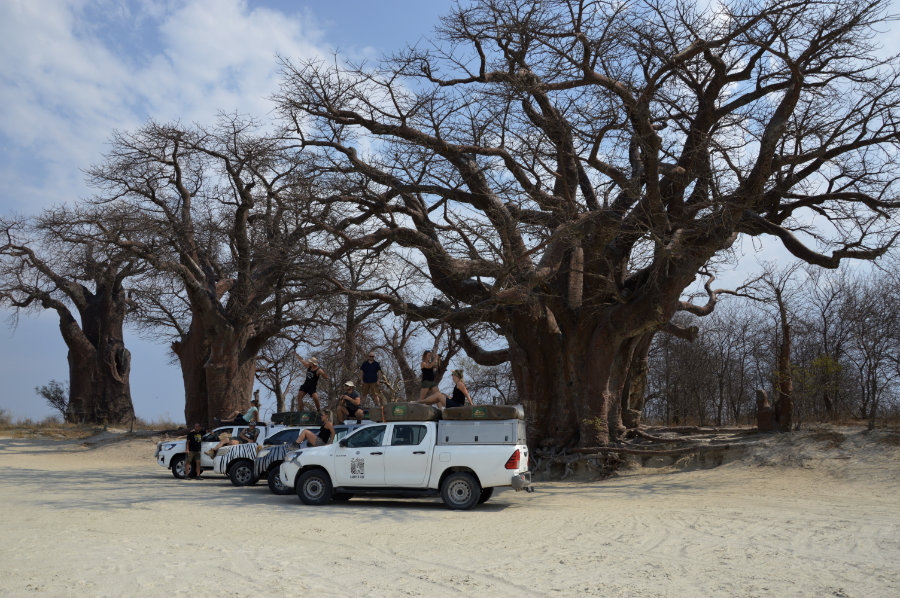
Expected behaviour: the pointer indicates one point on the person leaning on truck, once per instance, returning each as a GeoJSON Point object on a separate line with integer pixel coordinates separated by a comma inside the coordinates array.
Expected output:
{"type": "Point", "coordinates": [349, 405]}
{"type": "Point", "coordinates": [194, 444]}
{"type": "Point", "coordinates": [369, 376]}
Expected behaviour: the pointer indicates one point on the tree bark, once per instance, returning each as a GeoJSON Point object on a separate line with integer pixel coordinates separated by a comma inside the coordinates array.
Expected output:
{"type": "Point", "coordinates": [192, 352]}
{"type": "Point", "coordinates": [558, 376]}
{"type": "Point", "coordinates": [99, 363]}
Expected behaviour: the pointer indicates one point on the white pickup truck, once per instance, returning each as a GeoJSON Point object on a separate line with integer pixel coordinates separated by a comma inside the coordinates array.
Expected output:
{"type": "Point", "coordinates": [171, 454]}
{"type": "Point", "coordinates": [462, 460]}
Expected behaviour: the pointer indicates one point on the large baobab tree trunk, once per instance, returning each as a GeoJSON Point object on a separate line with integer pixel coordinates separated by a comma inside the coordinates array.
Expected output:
{"type": "Point", "coordinates": [99, 363]}
{"type": "Point", "coordinates": [570, 384]}
{"type": "Point", "coordinates": [192, 351]}
{"type": "Point", "coordinates": [230, 371]}
{"type": "Point", "coordinates": [217, 369]}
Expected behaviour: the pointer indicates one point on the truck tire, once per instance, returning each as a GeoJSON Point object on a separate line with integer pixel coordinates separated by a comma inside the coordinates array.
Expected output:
{"type": "Point", "coordinates": [275, 485]}
{"type": "Point", "coordinates": [177, 466]}
{"type": "Point", "coordinates": [314, 487]}
{"type": "Point", "coordinates": [241, 473]}
{"type": "Point", "coordinates": [486, 494]}
{"type": "Point", "coordinates": [460, 491]}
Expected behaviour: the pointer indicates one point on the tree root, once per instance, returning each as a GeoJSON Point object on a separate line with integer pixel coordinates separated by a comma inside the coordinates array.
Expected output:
{"type": "Point", "coordinates": [699, 430]}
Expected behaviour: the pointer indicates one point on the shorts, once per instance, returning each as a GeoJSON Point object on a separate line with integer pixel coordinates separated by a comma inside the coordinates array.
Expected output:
{"type": "Point", "coordinates": [429, 383]}
{"type": "Point", "coordinates": [351, 408]}
{"type": "Point", "coordinates": [368, 388]}
{"type": "Point", "coordinates": [310, 390]}
{"type": "Point", "coordinates": [225, 437]}
{"type": "Point", "coordinates": [193, 456]}
{"type": "Point", "coordinates": [451, 403]}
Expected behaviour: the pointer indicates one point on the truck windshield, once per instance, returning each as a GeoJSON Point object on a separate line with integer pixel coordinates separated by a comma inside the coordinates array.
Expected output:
{"type": "Point", "coordinates": [368, 436]}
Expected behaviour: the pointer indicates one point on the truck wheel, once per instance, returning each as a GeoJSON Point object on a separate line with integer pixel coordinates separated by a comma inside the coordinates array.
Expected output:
{"type": "Point", "coordinates": [241, 473]}
{"type": "Point", "coordinates": [342, 496]}
{"type": "Point", "coordinates": [485, 495]}
{"type": "Point", "coordinates": [314, 487]}
{"type": "Point", "coordinates": [177, 465]}
{"type": "Point", "coordinates": [460, 491]}
{"type": "Point", "coordinates": [275, 485]}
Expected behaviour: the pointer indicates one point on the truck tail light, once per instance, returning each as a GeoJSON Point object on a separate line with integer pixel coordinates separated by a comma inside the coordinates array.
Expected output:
{"type": "Point", "coordinates": [513, 461]}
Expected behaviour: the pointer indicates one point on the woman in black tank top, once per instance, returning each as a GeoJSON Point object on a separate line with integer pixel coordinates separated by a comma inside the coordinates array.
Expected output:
{"type": "Point", "coordinates": [430, 362]}
{"type": "Point", "coordinates": [459, 397]}
{"type": "Point", "coordinates": [313, 373]}
{"type": "Point", "coordinates": [323, 436]}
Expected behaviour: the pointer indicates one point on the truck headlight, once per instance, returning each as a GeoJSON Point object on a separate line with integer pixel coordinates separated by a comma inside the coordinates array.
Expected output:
{"type": "Point", "coordinates": [167, 446]}
{"type": "Point", "coordinates": [263, 453]}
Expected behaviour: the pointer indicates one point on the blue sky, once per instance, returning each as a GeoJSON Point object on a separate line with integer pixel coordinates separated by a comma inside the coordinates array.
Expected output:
{"type": "Point", "coordinates": [72, 71]}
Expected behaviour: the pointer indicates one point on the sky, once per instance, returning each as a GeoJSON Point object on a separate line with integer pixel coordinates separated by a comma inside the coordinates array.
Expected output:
{"type": "Point", "coordinates": [73, 71]}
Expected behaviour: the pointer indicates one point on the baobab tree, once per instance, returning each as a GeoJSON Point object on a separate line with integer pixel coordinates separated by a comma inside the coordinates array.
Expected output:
{"type": "Point", "coordinates": [225, 213]}
{"type": "Point", "coordinates": [49, 262]}
{"type": "Point", "coordinates": [564, 169]}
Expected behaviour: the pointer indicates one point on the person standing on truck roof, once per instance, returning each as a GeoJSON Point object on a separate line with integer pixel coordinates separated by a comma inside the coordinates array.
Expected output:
{"type": "Point", "coordinates": [313, 373]}
{"type": "Point", "coordinates": [194, 440]}
{"type": "Point", "coordinates": [369, 376]}
{"type": "Point", "coordinates": [457, 399]}
{"type": "Point", "coordinates": [323, 436]}
{"type": "Point", "coordinates": [252, 414]}
{"type": "Point", "coordinates": [350, 403]}
{"type": "Point", "coordinates": [430, 362]}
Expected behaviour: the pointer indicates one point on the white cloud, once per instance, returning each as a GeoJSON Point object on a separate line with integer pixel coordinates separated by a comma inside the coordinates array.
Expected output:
{"type": "Point", "coordinates": [67, 79]}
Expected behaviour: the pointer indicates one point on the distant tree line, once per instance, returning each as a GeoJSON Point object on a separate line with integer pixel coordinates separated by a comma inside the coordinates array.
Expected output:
{"type": "Point", "coordinates": [844, 360]}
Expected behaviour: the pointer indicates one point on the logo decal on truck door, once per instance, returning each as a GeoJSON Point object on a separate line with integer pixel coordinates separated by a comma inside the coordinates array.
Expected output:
{"type": "Point", "coordinates": [357, 468]}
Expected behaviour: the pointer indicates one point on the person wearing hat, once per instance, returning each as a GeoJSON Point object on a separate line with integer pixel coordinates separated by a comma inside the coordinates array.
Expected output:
{"type": "Point", "coordinates": [457, 399]}
{"type": "Point", "coordinates": [252, 414]}
{"type": "Point", "coordinates": [313, 373]}
{"type": "Point", "coordinates": [349, 403]}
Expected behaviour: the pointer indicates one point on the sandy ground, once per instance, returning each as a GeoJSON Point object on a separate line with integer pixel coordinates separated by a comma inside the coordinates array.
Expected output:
{"type": "Point", "coordinates": [804, 515]}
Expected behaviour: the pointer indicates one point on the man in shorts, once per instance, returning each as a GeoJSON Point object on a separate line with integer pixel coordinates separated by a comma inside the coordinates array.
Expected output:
{"type": "Point", "coordinates": [194, 440]}
{"type": "Point", "coordinates": [369, 375]}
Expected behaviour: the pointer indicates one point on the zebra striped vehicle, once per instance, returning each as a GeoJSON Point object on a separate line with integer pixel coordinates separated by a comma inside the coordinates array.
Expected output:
{"type": "Point", "coordinates": [269, 459]}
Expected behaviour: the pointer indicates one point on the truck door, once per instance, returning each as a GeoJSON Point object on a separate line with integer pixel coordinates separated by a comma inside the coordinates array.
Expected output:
{"type": "Point", "coordinates": [361, 462]}
{"type": "Point", "coordinates": [408, 455]}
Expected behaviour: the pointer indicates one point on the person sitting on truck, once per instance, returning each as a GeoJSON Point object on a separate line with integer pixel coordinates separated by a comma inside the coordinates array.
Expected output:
{"type": "Point", "coordinates": [430, 362]}
{"type": "Point", "coordinates": [252, 414]}
{"type": "Point", "coordinates": [323, 436]}
{"type": "Point", "coordinates": [250, 434]}
{"type": "Point", "coordinates": [313, 373]}
{"type": "Point", "coordinates": [457, 399]}
{"type": "Point", "coordinates": [349, 405]}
